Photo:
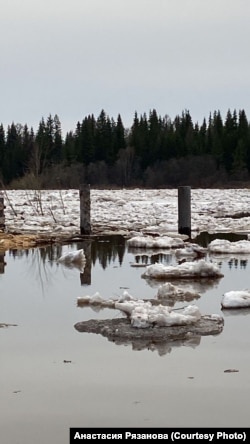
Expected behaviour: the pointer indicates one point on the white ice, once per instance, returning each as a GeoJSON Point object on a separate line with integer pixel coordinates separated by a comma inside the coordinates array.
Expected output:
{"type": "Point", "coordinates": [138, 213]}
{"type": "Point", "coordinates": [155, 242]}
{"type": "Point", "coordinates": [142, 314]}
{"type": "Point", "coordinates": [76, 256]}
{"type": "Point", "coordinates": [95, 300]}
{"type": "Point", "coordinates": [225, 246]}
{"type": "Point", "coordinates": [236, 299]}
{"type": "Point", "coordinates": [186, 270]}
{"type": "Point", "coordinates": [137, 210]}
{"type": "Point", "coordinates": [73, 259]}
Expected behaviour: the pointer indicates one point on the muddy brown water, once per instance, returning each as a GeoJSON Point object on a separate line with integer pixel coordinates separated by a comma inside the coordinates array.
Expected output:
{"type": "Point", "coordinates": [53, 377]}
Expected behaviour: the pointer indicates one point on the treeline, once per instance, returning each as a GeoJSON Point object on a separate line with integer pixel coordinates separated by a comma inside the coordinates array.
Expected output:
{"type": "Point", "coordinates": [155, 152]}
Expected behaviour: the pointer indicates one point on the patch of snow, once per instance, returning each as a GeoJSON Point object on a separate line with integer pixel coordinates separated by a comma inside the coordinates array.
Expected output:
{"type": "Point", "coordinates": [155, 242]}
{"type": "Point", "coordinates": [236, 299]}
{"type": "Point", "coordinates": [225, 246]}
{"type": "Point", "coordinates": [73, 259]}
{"type": "Point", "coordinates": [186, 270]}
{"type": "Point", "coordinates": [144, 315]}
{"type": "Point", "coordinates": [129, 210]}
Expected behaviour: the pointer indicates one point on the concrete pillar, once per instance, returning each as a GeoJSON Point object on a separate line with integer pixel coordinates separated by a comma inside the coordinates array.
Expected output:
{"type": "Point", "coordinates": [85, 224]}
{"type": "Point", "coordinates": [184, 210]}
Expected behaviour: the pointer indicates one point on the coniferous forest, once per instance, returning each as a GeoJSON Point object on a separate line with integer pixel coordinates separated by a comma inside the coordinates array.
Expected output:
{"type": "Point", "coordinates": [155, 152]}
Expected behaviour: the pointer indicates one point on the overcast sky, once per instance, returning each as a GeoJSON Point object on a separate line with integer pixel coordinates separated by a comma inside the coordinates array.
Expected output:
{"type": "Point", "coordinates": [76, 57]}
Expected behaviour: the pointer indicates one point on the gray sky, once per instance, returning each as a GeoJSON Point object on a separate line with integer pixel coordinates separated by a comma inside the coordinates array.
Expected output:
{"type": "Point", "coordinates": [77, 57]}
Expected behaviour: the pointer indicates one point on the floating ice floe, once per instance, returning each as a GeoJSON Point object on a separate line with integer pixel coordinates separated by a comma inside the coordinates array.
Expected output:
{"type": "Point", "coordinates": [143, 314]}
{"type": "Point", "coordinates": [155, 242]}
{"type": "Point", "coordinates": [96, 301]}
{"type": "Point", "coordinates": [167, 294]}
{"type": "Point", "coordinates": [147, 323]}
{"type": "Point", "coordinates": [225, 246]}
{"type": "Point", "coordinates": [155, 338]}
{"type": "Point", "coordinates": [186, 270]}
{"type": "Point", "coordinates": [236, 299]}
{"type": "Point", "coordinates": [73, 259]}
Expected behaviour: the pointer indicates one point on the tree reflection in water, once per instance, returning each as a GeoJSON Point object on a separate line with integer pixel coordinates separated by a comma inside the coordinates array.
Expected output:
{"type": "Point", "coordinates": [105, 250]}
{"type": "Point", "coordinates": [102, 249]}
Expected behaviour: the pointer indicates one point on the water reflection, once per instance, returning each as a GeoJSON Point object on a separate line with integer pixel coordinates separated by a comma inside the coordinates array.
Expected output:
{"type": "Point", "coordinates": [2, 262]}
{"type": "Point", "coordinates": [107, 249]}
{"type": "Point", "coordinates": [204, 238]}
{"type": "Point", "coordinates": [241, 263]}
{"type": "Point", "coordinates": [162, 348]}
{"type": "Point", "coordinates": [138, 342]}
{"type": "Point", "coordinates": [33, 355]}
{"type": "Point", "coordinates": [85, 276]}
{"type": "Point", "coordinates": [104, 249]}
{"type": "Point", "coordinates": [163, 339]}
{"type": "Point", "coordinates": [152, 257]}
{"type": "Point", "coordinates": [244, 311]}
{"type": "Point", "coordinates": [198, 285]}
{"type": "Point", "coordinates": [40, 265]}
{"type": "Point", "coordinates": [237, 261]}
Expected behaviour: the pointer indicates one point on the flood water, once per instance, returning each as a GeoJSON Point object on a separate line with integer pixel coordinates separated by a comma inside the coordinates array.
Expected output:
{"type": "Point", "coordinates": [54, 377]}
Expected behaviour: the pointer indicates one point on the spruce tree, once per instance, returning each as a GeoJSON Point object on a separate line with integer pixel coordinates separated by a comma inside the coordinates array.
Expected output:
{"type": "Point", "coordinates": [2, 150]}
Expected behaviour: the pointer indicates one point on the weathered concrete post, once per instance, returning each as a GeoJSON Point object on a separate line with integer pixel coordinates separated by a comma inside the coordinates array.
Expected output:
{"type": "Point", "coordinates": [184, 210]}
{"type": "Point", "coordinates": [2, 218]}
{"type": "Point", "coordinates": [85, 225]}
